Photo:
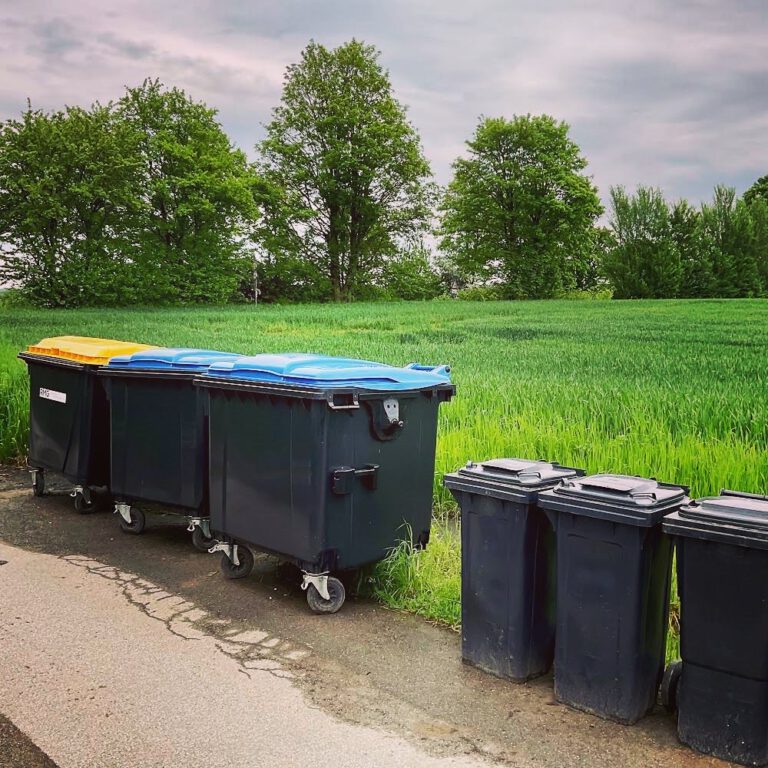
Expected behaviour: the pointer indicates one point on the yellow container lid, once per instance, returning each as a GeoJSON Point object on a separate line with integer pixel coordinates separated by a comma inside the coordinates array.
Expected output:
{"type": "Point", "coordinates": [85, 349]}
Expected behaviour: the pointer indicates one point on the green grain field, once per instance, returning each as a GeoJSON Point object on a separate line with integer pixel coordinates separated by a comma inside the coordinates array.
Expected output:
{"type": "Point", "coordinates": [672, 389]}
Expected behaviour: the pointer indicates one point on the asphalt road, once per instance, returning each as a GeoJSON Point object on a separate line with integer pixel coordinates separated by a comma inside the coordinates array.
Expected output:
{"type": "Point", "coordinates": [134, 651]}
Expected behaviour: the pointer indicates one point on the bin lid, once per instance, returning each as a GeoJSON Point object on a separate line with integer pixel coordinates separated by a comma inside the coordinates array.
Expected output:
{"type": "Point", "coordinates": [85, 349]}
{"type": "Point", "coordinates": [751, 511]}
{"type": "Point", "coordinates": [640, 500]}
{"type": "Point", "coordinates": [171, 360]}
{"type": "Point", "coordinates": [521, 473]}
{"type": "Point", "coordinates": [511, 479]}
{"type": "Point", "coordinates": [732, 517]}
{"type": "Point", "coordinates": [324, 372]}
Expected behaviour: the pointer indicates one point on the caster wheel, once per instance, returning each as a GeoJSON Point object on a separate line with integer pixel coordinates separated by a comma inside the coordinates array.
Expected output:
{"type": "Point", "coordinates": [337, 594]}
{"type": "Point", "coordinates": [38, 483]}
{"type": "Point", "coordinates": [83, 505]}
{"type": "Point", "coordinates": [200, 541]}
{"type": "Point", "coordinates": [232, 571]}
{"type": "Point", "coordinates": [669, 685]}
{"type": "Point", "coordinates": [138, 521]}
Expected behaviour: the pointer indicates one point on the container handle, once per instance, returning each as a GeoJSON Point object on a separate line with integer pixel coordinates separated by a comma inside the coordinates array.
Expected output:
{"type": "Point", "coordinates": [343, 401]}
{"type": "Point", "coordinates": [342, 478]}
{"type": "Point", "coordinates": [440, 370]}
{"type": "Point", "coordinates": [743, 495]}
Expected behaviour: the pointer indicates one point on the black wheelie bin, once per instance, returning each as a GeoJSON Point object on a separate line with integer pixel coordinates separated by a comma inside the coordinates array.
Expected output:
{"type": "Point", "coordinates": [720, 688]}
{"type": "Point", "coordinates": [613, 582]}
{"type": "Point", "coordinates": [68, 416]}
{"type": "Point", "coordinates": [507, 565]}
{"type": "Point", "coordinates": [159, 436]}
{"type": "Point", "coordinates": [326, 462]}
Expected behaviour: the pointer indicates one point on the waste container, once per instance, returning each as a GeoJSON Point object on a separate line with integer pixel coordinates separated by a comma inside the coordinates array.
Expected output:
{"type": "Point", "coordinates": [507, 565]}
{"type": "Point", "coordinates": [68, 418]}
{"type": "Point", "coordinates": [159, 438]}
{"type": "Point", "coordinates": [324, 461]}
{"type": "Point", "coordinates": [721, 687]}
{"type": "Point", "coordinates": [613, 579]}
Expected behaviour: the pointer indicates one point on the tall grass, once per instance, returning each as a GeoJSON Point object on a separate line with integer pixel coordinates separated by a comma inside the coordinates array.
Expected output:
{"type": "Point", "coordinates": [672, 389]}
{"type": "Point", "coordinates": [14, 406]}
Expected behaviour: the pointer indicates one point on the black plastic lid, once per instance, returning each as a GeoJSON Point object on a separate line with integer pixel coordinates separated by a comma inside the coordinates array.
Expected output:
{"type": "Point", "coordinates": [619, 498]}
{"type": "Point", "coordinates": [503, 477]}
{"type": "Point", "coordinates": [732, 517]}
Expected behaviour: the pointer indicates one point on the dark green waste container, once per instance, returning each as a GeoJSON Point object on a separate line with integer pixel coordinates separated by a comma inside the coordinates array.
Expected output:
{"type": "Point", "coordinates": [326, 462]}
{"type": "Point", "coordinates": [613, 581]}
{"type": "Point", "coordinates": [721, 687]}
{"type": "Point", "coordinates": [68, 417]}
{"type": "Point", "coordinates": [159, 436]}
{"type": "Point", "coordinates": [507, 565]}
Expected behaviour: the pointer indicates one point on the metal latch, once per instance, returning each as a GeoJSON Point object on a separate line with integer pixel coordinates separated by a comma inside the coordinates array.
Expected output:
{"type": "Point", "coordinates": [392, 409]}
{"type": "Point", "coordinates": [342, 478]}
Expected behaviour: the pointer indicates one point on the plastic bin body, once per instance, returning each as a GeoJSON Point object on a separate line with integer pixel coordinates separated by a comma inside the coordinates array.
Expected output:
{"type": "Point", "coordinates": [69, 419]}
{"type": "Point", "coordinates": [305, 463]}
{"type": "Point", "coordinates": [613, 581]}
{"type": "Point", "coordinates": [507, 566]}
{"type": "Point", "coordinates": [159, 440]}
{"type": "Point", "coordinates": [722, 572]}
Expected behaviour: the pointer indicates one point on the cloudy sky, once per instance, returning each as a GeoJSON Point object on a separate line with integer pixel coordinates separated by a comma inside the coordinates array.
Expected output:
{"type": "Point", "coordinates": [672, 93]}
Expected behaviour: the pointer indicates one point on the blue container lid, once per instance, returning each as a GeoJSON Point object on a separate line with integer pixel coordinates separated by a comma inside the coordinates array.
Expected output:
{"type": "Point", "coordinates": [163, 359]}
{"type": "Point", "coordinates": [330, 372]}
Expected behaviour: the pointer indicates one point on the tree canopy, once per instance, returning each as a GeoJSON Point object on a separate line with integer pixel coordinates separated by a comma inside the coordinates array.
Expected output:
{"type": "Point", "coordinates": [520, 208]}
{"type": "Point", "coordinates": [663, 251]}
{"type": "Point", "coordinates": [345, 183]}
{"type": "Point", "coordinates": [144, 200]}
{"type": "Point", "coordinates": [67, 187]}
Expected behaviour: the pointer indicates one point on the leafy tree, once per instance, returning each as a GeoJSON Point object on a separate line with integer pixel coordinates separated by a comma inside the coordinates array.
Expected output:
{"type": "Point", "coordinates": [727, 225]}
{"type": "Point", "coordinates": [67, 186]}
{"type": "Point", "coordinates": [758, 191]}
{"type": "Point", "coordinates": [519, 207]}
{"type": "Point", "coordinates": [694, 250]}
{"type": "Point", "coordinates": [355, 184]}
{"type": "Point", "coordinates": [588, 270]}
{"type": "Point", "coordinates": [758, 211]}
{"type": "Point", "coordinates": [196, 194]}
{"type": "Point", "coordinates": [645, 262]}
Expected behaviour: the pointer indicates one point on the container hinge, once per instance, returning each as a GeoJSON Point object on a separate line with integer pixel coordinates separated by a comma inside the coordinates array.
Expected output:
{"type": "Point", "coordinates": [342, 478]}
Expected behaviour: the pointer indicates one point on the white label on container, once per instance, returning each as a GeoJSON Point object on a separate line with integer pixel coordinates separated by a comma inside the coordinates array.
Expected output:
{"type": "Point", "coordinates": [52, 394]}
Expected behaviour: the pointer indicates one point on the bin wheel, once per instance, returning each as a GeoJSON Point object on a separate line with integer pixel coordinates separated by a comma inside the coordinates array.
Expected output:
{"type": "Point", "coordinates": [232, 571]}
{"type": "Point", "coordinates": [200, 541]}
{"type": "Point", "coordinates": [38, 483]}
{"type": "Point", "coordinates": [138, 521]}
{"type": "Point", "coordinates": [669, 685]}
{"type": "Point", "coordinates": [83, 505]}
{"type": "Point", "coordinates": [319, 605]}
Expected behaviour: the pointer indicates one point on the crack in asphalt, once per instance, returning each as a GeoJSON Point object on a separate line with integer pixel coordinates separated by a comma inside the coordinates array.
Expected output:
{"type": "Point", "coordinates": [253, 650]}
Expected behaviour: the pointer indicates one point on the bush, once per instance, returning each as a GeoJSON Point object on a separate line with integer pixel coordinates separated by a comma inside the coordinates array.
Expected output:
{"type": "Point", "coordinates": [410, 277]}
{"type": "Point", "coordinates": [482, 293]}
